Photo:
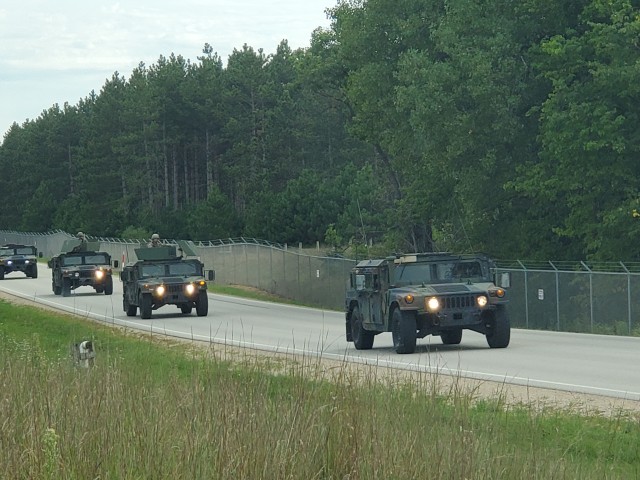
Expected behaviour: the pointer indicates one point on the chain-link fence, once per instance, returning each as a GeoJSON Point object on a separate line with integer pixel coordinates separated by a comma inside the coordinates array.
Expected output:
{"type": "Point", "coordinates": [603, 298]}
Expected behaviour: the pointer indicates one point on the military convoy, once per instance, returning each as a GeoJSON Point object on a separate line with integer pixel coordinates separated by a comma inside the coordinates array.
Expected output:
{"type": "Point", "coordinates": [81, 264]}
{"type": "Point", "coordinates": [162, 277]}
{"type": "Point", "coordinates": [16, 257]}
{"type": "Point", "coordinates": [422, 294]}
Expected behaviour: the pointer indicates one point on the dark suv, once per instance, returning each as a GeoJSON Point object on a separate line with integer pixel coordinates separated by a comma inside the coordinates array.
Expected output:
{"type": "Point", "coordinates": [422, 294]}
{"type": "Point", "coordinates": [18, 258]}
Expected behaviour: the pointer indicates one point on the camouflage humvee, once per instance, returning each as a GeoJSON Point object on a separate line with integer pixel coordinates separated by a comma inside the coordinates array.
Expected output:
{"type": "Point", "coordinates": [161, 277]}
{"type": "Point", "coordinates": [16, 257]}
{"type": "Point", "coordinates": [81, 264]}
{"type": "Point", "coordinates": [423, 294]}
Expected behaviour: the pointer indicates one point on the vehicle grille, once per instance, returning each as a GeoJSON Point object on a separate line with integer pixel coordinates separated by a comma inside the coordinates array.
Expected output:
{"type": "Point", "coordinates": [174, 289]}
{"type": "Point", "coordinates": [459, 301]}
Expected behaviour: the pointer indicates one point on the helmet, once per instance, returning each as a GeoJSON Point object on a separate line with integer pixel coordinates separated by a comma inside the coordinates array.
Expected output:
{"type": "Point", "coordinates": [80, 235]}
{"type": "Point", "coordinates": [155, 236]}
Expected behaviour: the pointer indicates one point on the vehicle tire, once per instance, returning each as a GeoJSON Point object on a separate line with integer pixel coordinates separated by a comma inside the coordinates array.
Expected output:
{"type": "Point", "coordinates": [146, 304]}
{"type": "Point", "coordinates": [186, 308]}
{"type": "Point", "coordinates": [108, 286]}
{"type": "Point", "coordinates": [66, 287]}
{"type": "Point", "coordinates": [362, 339]}
{"type": "Point", "coordinates": [99, 289]}
{"type": "Point", "coordinates": [498, 328]}
{"type": "Point", "coordinates": [404, 331]}
{"type": "Point", "coordinates": [202, 304]}
{"type": "Point", "coordinates": [1, 273]}
{"type": "Point", "coordinates": [33, 272]}
{"type": "Point", "coordinates": [130, 310]}
{"type": "Point", "coordinates": [451, 337]}
{"type": "Point", "coordinates": [56, 289]}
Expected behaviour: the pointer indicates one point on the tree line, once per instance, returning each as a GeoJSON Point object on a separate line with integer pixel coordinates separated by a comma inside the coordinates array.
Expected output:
{"type": "Point", "coordinates": [463, 125]}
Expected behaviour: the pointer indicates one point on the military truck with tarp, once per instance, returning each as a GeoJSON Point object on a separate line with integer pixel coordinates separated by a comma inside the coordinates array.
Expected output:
{"type": "Point", "coordinates": [16, 257]}
{"type": "Point", "coordinates": [422, 294]}
{"type": "Point", "coordinates": [81, 264]}
{"type": "Point", "coordinates": [160, 277]}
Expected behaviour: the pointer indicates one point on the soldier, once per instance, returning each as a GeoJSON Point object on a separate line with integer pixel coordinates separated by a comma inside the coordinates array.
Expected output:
{"type": "Point", "coordinates": [83, 243]}
{"type": "Point", "coordinates": [155, 241]}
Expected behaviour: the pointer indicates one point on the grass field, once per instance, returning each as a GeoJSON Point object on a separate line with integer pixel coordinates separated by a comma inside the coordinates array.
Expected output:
{"type": "Point", "coordinates": [154, 409]}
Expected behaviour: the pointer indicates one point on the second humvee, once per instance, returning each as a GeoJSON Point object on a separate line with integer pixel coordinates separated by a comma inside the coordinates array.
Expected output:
{"type": "Point", "coordinates": [162, 277]}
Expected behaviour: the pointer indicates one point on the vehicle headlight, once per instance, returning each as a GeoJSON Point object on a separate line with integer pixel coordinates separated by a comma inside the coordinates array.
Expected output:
{"type": "Point", "coordinates": [482, 301]}
{"type": "Point", "coordinates": [77, 274]}
{"type": "Point", "coordinates": [99, 274]}
{"type": "Point", "coordinates": [160, 290]}
{"type": "Point", "coordinates": [433, 304]}
{"type": "Point", "coordinates": [9, 262]}
{"type": "Point", "coordinates": [409, 298]}
{"type": "Point", "coordinates": [26, 262]}
{"type": "Point", "coordinates": [190, 289]}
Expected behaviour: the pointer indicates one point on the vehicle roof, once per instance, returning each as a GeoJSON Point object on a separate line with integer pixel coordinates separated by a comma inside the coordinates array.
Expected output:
{"type": "Point", "coordinates": [436, 257]}
{"type": "Point", "coordinates": [81, 253]}
{"type": "Point", "coordinates": [69, 244]}
{"type": "Point", "coordinates": [154, 254]}
{"type": "Point", "coordinates": [371, 263]}
{"type": "Point", "coordinates": [16, 245]}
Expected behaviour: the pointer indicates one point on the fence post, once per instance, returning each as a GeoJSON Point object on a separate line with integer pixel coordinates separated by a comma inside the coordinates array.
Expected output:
{"type": "Point", "coordinates": [590, 292]}
{"type": "Point", "coordinates": [557, 296]}
{"type": "Point", "coordinates": [526, 294]}
{"type": "Point", "coordinates": [628, 295]}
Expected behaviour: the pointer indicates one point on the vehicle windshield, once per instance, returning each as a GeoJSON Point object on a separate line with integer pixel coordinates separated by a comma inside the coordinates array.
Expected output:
{"type": "Point", "coordinates": [93, 259]}
{"type": "Point", "coordinates": [180, 268]}
{"type": "Point", "coordinates": [5, 252]}
{"type": "Point", "coordinates": [153, 270]}
{"type": "Point", "coordinates": [184, 269]}
{"type": "Point", "coordinates": [440, 272]}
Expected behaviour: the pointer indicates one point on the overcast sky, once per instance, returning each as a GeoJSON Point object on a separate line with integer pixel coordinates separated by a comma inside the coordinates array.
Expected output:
{"type": "Point", "coordinates": [57, 51]}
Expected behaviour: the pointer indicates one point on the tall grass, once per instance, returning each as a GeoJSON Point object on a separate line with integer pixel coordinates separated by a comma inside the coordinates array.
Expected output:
{"type": "Point", "coordinates": [149, 410]}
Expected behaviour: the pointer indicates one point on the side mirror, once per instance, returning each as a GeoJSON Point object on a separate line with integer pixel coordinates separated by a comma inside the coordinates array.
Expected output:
{"type": "Point", "coordinates": [210, 275]}
{"type": "Point", "coordinates": [505, 279]}
{"type": "Point", "coordinates": [50, 263]}
{"type": "Point", "coordinates": [40, 255]}
{"type": "Point", "coordinates": [116, 264]}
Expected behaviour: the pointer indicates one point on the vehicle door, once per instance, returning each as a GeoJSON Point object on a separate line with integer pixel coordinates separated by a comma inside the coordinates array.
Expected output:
{"type": "Point", "coordinates": [371, 300]}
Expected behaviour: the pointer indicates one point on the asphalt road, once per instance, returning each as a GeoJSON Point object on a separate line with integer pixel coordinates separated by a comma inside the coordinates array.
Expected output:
{"type": "Point", "coordinates": [593, 364]}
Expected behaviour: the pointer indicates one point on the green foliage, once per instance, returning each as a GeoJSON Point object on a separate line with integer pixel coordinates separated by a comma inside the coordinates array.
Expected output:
{"type": "Point", "coordinates": [135, 233]}
{"type": "Point", "coordinates": [507, 127]}
{"type": "Point", "coordinates": [332, 238]}
{"type": "Point", "coordinates": [214, 218]}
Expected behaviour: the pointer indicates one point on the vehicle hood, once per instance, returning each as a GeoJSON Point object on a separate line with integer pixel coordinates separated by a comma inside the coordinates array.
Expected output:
{"type": "Point", "coordinates": [444, 289]}
{"type": "Point", "coordinates": [172, 280]}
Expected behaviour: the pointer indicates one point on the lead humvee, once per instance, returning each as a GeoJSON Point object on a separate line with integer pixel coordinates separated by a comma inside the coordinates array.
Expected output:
{"type": "Point", "coordinates": [422, 294]}
{"type": "Point", "coordinates": [16, 257]}
{"type": "Point", "coordinates": [162, 277]}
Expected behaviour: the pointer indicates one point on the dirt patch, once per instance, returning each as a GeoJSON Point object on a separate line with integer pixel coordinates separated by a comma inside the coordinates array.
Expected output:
{"type": "Point", "coordinates": [507, 394]}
